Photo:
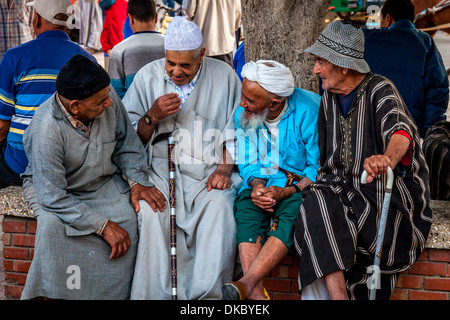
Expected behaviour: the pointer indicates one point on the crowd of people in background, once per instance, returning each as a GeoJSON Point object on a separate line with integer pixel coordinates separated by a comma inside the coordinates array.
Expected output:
{"type": "Point", "coordinates": [88, 144]}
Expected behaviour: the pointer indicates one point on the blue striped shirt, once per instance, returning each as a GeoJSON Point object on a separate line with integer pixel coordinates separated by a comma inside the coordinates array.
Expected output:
{"type": "Point", "coordinates": [28, 77]}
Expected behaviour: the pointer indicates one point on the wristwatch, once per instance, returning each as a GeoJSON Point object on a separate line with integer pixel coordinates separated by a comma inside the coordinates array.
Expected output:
{"type": "Point", "coordinates": [297, 189]}
{"type": "Point", "coordinates": [148, 121]}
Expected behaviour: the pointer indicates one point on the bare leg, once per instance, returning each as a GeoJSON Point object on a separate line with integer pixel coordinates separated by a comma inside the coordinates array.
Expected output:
{"type": "Point", "coordinates": [248, 253]}
{"type": "Point", "coordinates": [336, 285]}
{"type": "Point", "coordinates": [264, 260]}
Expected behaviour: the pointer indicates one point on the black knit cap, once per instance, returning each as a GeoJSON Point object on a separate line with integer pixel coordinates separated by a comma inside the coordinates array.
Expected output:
{"type": "Point", "coordinates": [80, 78]}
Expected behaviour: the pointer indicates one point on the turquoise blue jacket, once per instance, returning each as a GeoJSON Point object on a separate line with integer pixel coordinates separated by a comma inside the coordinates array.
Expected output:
{"type": "Point", "coordinates": [296, 148]}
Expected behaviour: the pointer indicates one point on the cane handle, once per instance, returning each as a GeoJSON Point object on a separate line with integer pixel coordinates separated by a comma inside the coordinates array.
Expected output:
{"type": "Point", "coordinates": [390, 178]}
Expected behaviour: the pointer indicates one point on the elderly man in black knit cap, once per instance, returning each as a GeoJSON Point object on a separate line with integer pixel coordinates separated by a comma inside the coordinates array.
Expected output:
{"type": "Point", "coordinates": [84, 157]}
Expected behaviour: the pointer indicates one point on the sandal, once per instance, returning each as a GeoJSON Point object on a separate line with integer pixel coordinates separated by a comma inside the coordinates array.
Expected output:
{"type": "Point", "coordinates": [234, 291]}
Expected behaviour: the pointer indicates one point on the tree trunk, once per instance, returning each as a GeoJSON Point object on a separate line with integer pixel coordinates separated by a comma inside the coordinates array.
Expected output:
{"type": "Point", "coordinates": [281, 30]}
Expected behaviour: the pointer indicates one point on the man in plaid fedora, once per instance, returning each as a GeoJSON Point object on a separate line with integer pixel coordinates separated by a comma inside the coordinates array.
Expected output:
{"type": "Point", "coordinates": [363, 125]}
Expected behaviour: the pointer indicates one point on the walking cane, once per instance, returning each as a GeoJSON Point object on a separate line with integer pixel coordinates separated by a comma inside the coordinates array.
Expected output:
{"type": "Point", "coordinates": [172, 206]}
{"type": "Point", "coordinates": [381, 228]}
{"type": "Point", "coordinates": [173, 224]}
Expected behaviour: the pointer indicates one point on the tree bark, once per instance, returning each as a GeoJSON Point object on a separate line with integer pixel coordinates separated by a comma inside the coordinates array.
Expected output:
{"type": "Point", "coordinates": [281, 30]}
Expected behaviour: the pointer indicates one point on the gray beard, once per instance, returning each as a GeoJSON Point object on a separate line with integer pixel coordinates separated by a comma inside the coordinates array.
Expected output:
{"type": "Point", "coordinates": [256, 121]}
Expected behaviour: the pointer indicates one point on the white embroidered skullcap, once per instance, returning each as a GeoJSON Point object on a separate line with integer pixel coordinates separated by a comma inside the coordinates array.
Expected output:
{"type": "Point", "coordinates": [182, 35]}
{"type": "Point", "coordinates": [271, 75]}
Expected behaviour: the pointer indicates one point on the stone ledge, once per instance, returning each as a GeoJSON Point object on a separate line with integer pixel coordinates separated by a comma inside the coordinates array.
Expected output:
{"type": "Point", "coordinates": [439, 236]}
{"type": "Point", "coordinates": [12, 204]}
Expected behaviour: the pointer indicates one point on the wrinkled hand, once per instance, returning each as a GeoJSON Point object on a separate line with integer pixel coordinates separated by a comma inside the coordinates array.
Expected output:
{"type": "Point", "coordinates": [164, 106]}
{"type": "Point", "coordinates": [375, 166]}
{"type": "Point", "coordinates": [277, 193]}
{"type": "Point", "coordinates": [117, 238]}
{"type": "Point", "coordinates": [266, 198]}
{"type": "Point", "coordinates": [219, 179]}
{"type": "Point", "coordinates": [152, 195]}
{"type": "Point", "coordinates": [261, 199]}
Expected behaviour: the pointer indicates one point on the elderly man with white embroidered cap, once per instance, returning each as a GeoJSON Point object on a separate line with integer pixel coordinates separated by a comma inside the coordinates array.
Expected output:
{"type": "Point", "coordinates": [278, 156]}
{"type": "Point", "coordinates": [195, 98]}
{"type": "Point", "coordinates": [363, 125]}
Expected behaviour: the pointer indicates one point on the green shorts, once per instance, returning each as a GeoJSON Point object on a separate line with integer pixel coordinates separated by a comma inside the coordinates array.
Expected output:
{"type": "Point", "coordinates": [252, 221]}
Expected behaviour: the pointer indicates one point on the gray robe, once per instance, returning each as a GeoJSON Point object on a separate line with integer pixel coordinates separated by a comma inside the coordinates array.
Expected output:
{"type": "Point", "coordinates": [206, 230]}
{"type": "Point", "coordinates": [73, 184]}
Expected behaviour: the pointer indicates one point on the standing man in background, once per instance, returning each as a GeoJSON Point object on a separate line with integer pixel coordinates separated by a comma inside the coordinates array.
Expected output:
{"type": "Point", "coordinates": [144, 46]}
{"type": "Point", "coordinates": [28, 76]}
{"type": "Point", "coordinates": [219, 21]}
{"type": "Point", "coordinates": [410, 59]}
{"type": "Point", "coordinates": [91, 24]}
{"type": "Point", "coordinates": [16, 24]}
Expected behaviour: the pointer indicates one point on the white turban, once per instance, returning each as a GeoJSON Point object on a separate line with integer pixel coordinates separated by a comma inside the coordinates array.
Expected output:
{"type": "Point", "coordinates": [276, 78]}
{"type": "Point", "coordinates": [182, 35]}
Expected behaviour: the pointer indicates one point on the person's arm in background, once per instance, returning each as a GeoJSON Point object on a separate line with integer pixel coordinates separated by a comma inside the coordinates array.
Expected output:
{"type": "Point", "coordinates": [4, 129]}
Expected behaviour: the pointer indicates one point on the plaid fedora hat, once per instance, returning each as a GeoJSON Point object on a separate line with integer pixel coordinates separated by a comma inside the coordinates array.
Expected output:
{"type": "Point", "coordinates": [343, 45]}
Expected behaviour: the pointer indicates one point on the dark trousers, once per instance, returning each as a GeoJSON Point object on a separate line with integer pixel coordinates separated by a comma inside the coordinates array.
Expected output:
{"type": "Point", "coordinates": [8, 177]}
{"type": "Point", "coordinates": [227, 57]}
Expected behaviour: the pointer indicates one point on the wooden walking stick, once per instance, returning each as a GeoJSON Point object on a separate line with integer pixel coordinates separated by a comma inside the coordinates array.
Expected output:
{"type": "Point", "coordinates": [173, 224]}
{"type": "Point", "coordinates": [172, 206]}
{"type": "Point", "coordinates": [381, 229]}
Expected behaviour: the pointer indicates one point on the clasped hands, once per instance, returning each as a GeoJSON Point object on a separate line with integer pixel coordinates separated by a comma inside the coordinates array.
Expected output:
{"type": "Point", "coordinates": [267, 198]}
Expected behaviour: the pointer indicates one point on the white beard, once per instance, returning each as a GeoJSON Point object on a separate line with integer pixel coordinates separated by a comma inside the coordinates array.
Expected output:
{"type": "Point", "coordinates": [256, 121]}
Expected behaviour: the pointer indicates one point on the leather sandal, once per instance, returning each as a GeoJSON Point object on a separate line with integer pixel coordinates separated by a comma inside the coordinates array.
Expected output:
{"type": "Point", "coordinates": [234, 291]}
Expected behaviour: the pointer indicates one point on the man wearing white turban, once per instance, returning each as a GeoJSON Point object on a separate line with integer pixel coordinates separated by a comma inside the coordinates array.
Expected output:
{"type": "Point", "coordinates": [278, 156]}
{"type": "Point", "coordinates": [195, 98]}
